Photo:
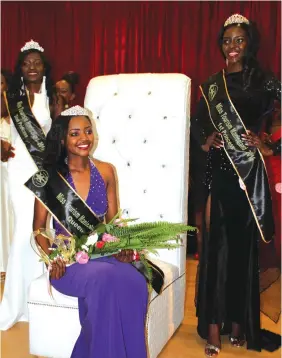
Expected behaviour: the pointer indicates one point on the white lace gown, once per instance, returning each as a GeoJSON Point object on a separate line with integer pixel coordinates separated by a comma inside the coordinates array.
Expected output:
{"type": "Point", "coordinates": [6, 218]}
{"type": "Point", "coordinates": [23, 264]}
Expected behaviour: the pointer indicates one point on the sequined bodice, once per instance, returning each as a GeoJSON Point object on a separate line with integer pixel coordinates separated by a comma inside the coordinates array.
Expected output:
{"type": "Point", "coordinates": [96, 199]}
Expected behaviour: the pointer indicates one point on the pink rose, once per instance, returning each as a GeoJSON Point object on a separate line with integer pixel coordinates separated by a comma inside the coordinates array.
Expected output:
{"type": "Point", "coordinates": [81, 257]}
{"type": "Point", "coordinates": [109, 238]}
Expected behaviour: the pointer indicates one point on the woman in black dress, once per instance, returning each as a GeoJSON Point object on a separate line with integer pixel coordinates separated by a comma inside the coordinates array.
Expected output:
{"type": "Point", "coordinates": [238, 223]}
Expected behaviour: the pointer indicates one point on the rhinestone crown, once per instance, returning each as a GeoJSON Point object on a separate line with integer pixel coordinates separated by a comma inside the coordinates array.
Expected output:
{"type": "Point", "coordinates": [76, 111]}
{"type": "Point", "coordinates": [236, 19]}
{"type": "Point", "coordinates": [32, 45]}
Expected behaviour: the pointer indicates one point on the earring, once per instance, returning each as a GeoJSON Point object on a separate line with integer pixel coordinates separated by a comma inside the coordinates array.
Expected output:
{"type": "Point", "coordinates": [66, 160]}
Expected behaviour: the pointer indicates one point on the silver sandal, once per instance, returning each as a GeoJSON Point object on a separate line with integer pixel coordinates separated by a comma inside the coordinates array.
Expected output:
{"type": "Point", "coordinates": [211, 350]}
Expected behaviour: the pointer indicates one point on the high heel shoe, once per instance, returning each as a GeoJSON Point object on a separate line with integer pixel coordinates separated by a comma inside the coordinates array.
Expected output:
{"type": "Point", "coordinates": [211, 350]}
{"type": "Point", "coordinates": [237, 342]}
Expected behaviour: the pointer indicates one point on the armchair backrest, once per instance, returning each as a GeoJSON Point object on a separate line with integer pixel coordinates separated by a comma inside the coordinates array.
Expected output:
{"type": "Point", "coordinates": [143, 125]}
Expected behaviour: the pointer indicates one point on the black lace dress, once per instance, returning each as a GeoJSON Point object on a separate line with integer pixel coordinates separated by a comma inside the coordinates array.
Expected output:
{"type": "Point", "coordinates": [229, 271]}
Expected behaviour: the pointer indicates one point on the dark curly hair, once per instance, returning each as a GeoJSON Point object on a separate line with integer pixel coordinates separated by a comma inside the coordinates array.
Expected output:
{"type": "Point", "coordinates": [16, 83]}
{"type": "Point", "coordinates": [72, 78]}
{"type": "Point", "coordinates": [253, 74]}
{"type": "Point", "coordinates": [7, 75]}
{"type": "Point", "coordinates": [55, 150]}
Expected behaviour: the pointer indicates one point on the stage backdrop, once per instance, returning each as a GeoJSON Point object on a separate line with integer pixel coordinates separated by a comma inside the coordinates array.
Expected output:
{"type": "Point", "coordinates": [96, 38]}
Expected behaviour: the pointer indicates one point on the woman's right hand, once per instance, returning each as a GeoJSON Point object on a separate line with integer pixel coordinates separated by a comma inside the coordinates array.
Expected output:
{"type": "Point", "coordinates": [213, 141]}
{"type": "Point", "coordinates": [57, 269]}
{"type": "Point", "coordinates": [125, 256]}
{"type": "Point", "coordinates": [58, 105]}
{"type": "Point", "coordinates": [6, 151]}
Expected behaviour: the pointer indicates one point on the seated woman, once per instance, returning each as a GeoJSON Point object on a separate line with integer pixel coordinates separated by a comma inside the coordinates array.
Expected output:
{"type": "Point", "coordinates": [112, 294]}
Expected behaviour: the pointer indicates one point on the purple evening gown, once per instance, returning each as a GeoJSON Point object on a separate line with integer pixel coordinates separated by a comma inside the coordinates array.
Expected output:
{"type": "Point", "coordinates": [112, 296]}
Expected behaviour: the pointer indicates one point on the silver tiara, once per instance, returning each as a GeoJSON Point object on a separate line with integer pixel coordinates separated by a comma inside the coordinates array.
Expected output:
{"type": "Point", "coordinates": [236, 19]}
{"type": "Point", "coordinates": [76, 111]}
{"type": "Point", "coordinates": [32, 45]}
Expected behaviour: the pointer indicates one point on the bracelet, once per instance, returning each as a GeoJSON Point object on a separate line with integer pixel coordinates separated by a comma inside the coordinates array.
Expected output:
{"type": "Point", "coordinates": [36, 233]}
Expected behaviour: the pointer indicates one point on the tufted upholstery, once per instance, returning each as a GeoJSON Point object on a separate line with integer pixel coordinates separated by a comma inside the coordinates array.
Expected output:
{"type": "Point", "coordinates": [143, 126]}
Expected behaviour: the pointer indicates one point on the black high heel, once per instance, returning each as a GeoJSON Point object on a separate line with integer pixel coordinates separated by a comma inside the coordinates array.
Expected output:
{"type": "Point", "coordinates": [237, 342]}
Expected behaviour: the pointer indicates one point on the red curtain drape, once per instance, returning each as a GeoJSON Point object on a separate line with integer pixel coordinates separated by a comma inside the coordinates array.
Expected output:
{"type": "Point", "coordinates": [96, 38]}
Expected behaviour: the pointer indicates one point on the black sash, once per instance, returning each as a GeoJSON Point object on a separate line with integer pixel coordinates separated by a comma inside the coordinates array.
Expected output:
{"type": "Point", "coordinates": [51, 188]}
{"type": "Point", "coordinates": [27, 126]}
{"type": "Point", "coordinates": [53, 191]}
{"type": "Point", "coordinates": [247, 162]}
{"type": "Point", "coordinates": [63, 202]}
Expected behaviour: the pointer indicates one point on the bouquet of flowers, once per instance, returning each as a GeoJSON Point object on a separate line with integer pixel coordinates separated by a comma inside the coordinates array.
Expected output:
{"type": "Point", "coordinates": [111, 238]}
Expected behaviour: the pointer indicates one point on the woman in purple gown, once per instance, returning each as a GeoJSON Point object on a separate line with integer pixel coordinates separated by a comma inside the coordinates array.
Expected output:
{"type": "Point", "coordinates": [112, 294]}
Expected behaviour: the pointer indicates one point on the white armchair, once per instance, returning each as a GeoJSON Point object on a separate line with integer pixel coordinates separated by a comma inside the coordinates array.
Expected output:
{"type": "Point", "coordinates": [143, 126]}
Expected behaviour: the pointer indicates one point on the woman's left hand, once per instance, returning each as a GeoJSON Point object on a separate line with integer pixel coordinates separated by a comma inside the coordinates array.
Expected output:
{"type": "Point", "coordinates": [125, 256]}
{"type": "Point", "coordinates": [252, 140]}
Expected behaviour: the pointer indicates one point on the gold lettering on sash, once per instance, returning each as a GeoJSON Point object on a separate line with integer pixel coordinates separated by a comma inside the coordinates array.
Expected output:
{"type": "Point", "coordinates": [74, 224]}
{"type": "Point", "coordinates": [73, 211]}
{"type": "Point", "coordinates": [61, 198]}
{"type": "Point", "coordinates": [26, 126]}
{"type": "Point", "coordinates": [81, 218]}
{"type": "Point", "coordinates": [86, 223]}
{"type": "Point", "coordinates": [230, 132]}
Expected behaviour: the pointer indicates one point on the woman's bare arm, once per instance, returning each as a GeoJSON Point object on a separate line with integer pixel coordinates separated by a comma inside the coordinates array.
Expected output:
{"type": "Point", "coordinates": [39, 222]}
{"type": "Point", "coordinates": [108, 174]}
{"type": "Point", "coordinates": [58, 267]}
{"type": "Point", "coordinates": [110, 177]}
{"type": "Point", "coordinates": [111, 193]}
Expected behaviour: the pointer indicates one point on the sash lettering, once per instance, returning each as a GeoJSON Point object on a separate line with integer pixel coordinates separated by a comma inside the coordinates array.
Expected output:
{"type": "Point", "coordinates": [246, 161]}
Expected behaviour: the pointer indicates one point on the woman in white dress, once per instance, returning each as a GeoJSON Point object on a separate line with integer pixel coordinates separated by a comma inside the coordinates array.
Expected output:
{"type": "Point", "coordinates": [32, 79]}
{"type": "Point", "coordinates": [6, 153]}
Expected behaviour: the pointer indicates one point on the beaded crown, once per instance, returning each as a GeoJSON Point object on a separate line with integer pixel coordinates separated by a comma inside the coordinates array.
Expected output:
{"type": "Point", "coordinates": [32, 45]}
{"type": "Point", "coordinates": [236, 19]}
{"type": "Point", "coordinates": [76, 111]}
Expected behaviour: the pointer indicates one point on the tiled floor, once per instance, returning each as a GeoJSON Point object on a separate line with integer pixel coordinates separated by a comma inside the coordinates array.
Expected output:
{"type": "Point", "coordinates": [184, 344]}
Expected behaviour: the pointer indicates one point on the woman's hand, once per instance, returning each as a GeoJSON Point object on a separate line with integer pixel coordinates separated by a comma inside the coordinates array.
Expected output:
{"type": "Point", "coordinates": [266, 138]}
{"type": "Point", "coordinates": [125, 256]}
{"type": "Point", "coordinates": [213, 141]}
{"type": "Point", "coordinates": [58, 107]}
{"type": "Point", "coordinates": [252, 140]}
{"type": "Point", "coordinates": [6, 151]}
{"type": "Point", "coordinates": [57, 268]}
